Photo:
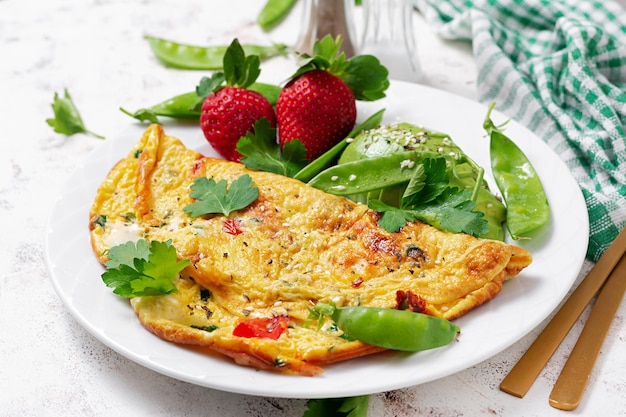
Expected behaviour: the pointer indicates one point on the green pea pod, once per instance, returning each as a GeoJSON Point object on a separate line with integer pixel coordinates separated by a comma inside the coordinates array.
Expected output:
{"type": "Point", "coordinates": [395, 329]}
{"type": "Point", "coordinates": [178, 107]}
{"type": "Point", "coordinates": [192, 57]}
{"type": "Point", "coordinates": [526, 202]}
{"type": "Point", "coordinates": [269, 91]}
{"type": "Point", "coordinates": [329, 157]}
{"type": "Point", "coordinates": [184, 106]}
{"type": "Point", "coordinates": [273, 12]}
{"type": "Point", "coordinates": [389, 139]}
{"type": "Point", "coordinates": [366, 175]}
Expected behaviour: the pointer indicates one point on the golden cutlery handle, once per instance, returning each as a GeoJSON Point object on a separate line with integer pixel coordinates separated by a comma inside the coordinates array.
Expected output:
{"type": "Point", "coordinates": [524, 373]}
{"type": "Point", "coordinates": [571, 384]}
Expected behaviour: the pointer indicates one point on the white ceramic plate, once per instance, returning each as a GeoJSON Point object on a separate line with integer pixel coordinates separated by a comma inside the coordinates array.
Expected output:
{"type": "Point", "coordinates": [523, 303]}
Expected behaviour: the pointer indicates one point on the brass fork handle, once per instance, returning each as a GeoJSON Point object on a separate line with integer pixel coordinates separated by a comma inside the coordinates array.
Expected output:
{"type": "Point", "coordinates": [524, 373]}
{"type": "Point", "coordinates": [570, 385]}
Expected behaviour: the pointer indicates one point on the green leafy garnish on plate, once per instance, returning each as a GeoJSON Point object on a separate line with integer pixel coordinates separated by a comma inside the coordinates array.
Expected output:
{"type": "Point", "coordinates": [338, 407]}
{"type": "Point", "coordinates": [262, 152]}
{"type": "Point", "coordinates": [216, 198]}
{"type": "Point", "coordinates": [143, 268]}
{"type": "Point", "coordinates": [430, 198]}
{"type": "Point", "coordinates": [67, 119]}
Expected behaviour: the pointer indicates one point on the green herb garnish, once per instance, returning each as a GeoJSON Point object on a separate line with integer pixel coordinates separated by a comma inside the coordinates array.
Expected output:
{"type": "Point", "coordinates": [143, 269]}
{"type": "Point", "coordinates": [261, 151]}
{"type": "Point", "coordinates": [209, 328]}
{"type": "Point", "coordinates": [430, 198]}
{"type": "Point", "coordinates": [215, 198]}
{"type": "Point", "coordinates": [67, 119]}
{"type": "Point", "coordinates": [338, 407]}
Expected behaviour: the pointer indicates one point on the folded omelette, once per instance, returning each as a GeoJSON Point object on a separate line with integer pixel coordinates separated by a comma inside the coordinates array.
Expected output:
{"type": "Point", "coordinates": [271, 262]}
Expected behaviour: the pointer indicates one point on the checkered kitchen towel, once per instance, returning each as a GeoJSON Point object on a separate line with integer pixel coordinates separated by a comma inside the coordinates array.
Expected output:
{"type": "Point", "coordinates": [557, 67]}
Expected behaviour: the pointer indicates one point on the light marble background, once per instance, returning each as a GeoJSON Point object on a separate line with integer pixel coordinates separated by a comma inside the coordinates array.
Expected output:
{"type": "Point", "coordinates": [49, 365]}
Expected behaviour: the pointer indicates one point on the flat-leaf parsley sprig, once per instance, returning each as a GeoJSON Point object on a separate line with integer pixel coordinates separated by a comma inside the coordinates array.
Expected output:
{"type": "Point", "coordinates": [338, 407]}
{"type": "Point", "coordinates": [216, 198]}
{"type": "Point", "coordinates": [430, 198]}
{"type": "Point", "coordinates": [67, 119]}
{"type": "Point", "coordinates": [143, 268]}
{"type": "Point", "coordinates": [262, 152]}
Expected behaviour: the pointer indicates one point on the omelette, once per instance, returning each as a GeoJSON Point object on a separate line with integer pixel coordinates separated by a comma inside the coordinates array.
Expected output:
{"type": "Point", "coordinates": [266, 265]}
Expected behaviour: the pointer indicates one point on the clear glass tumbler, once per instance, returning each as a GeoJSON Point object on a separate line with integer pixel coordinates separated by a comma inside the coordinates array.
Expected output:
{"type": "Point", "coordinates": [388, 34]}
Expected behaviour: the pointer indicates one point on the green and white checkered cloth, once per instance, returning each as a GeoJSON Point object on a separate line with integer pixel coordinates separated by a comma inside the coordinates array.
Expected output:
{"type": "Point", "coordinates": [558, 68]}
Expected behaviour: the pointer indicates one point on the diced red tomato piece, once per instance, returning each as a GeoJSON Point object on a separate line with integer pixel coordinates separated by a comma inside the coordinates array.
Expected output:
{"type": "Point", "coordinates": [357, 282]}
{"type": "Point", "coordinates": [264, 327]}
{"type": "Point", "coordinates": [232, 227]}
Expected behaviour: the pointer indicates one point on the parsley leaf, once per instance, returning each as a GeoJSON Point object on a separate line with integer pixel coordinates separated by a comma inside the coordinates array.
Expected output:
{"type": "Point", "coordinates": [355, 406]}
{"type": "Point", "coordinates": [393, 219]}
{"type": "Point", "coordinates": [143, 269]}
{"type": "Point", "coordinates": [338, 407]}
{"type": "Point", "coordinates": [214, 198]}
{"type": "Point", "coordinates": [430, 198]}
{"type": "Point", "coordinates": [453, 211]}
{"type": "Point", "coordinates": [428, 182]}
{"type": "Point", "coordinates": [67, 119]}
{"type": "Point", "coordinates": [261, 151]}
{"type": "Point", "coordinates": [126, 253]}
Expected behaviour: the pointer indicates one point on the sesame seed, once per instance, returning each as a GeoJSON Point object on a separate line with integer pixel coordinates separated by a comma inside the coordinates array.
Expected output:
{"type": "Point", "coordinates": [407, 163]}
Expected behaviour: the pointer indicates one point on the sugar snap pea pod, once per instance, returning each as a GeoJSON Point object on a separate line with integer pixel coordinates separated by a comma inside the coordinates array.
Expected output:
{"type": "Point", "coordinates": [192, 57]}
{"type": "Point", "coordinates": [394, 329]}
{"type": "Point", "coordinates": [178, 107]}
{"type": "Point", "coordinates": [273, 12]}
{"type": "Point", "coordinates": [329, 157]}
{"type": "Point", "coordinates": [184, 106]}
{"type": "Point", "coordinates": [367, 175]}
{"type": "Point", "coordinates": [526, 202]}
{"type": "Point", "coordinates": [399, 137]}
{"type": "Point", "coordinates": [269, 91]}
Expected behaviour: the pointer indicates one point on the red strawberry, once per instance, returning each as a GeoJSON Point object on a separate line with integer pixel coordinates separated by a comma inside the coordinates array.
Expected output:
{"type": "Point", "coordinates": [229, 114]}
{"type": "Point", "coordinates": [318, 105]}
{"type": "Point", "coordinates": [317, 108]}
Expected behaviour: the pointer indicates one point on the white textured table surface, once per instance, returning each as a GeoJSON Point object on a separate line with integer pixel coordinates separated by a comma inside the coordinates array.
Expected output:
{"type": "Point", "coordinates": [49, 365]}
